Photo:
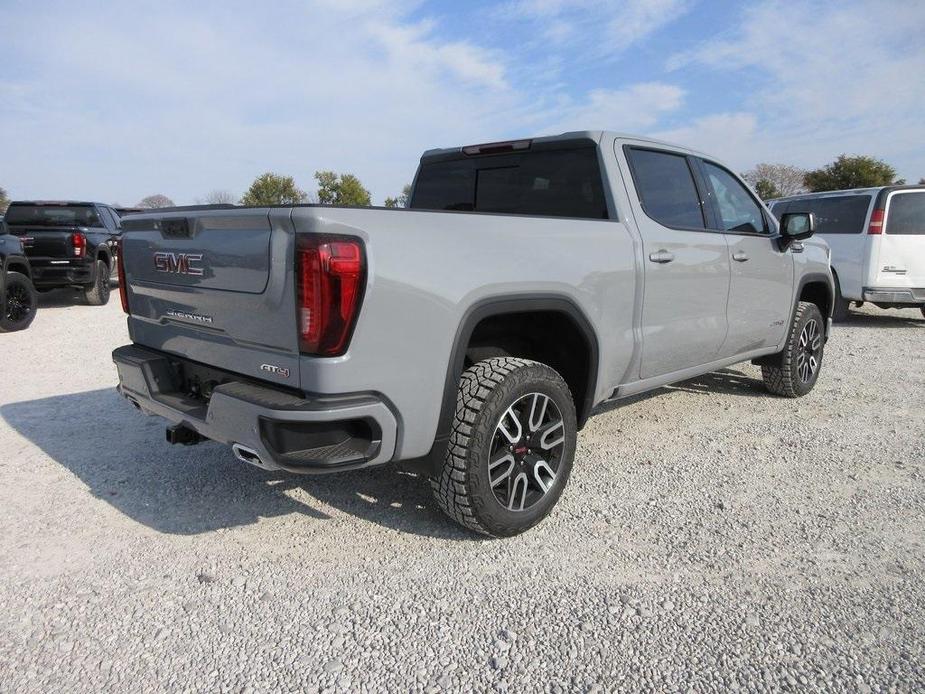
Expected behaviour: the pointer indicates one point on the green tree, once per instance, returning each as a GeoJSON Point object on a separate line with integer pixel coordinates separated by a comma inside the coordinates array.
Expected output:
{"type": "Point", "coordinates": [851, 172]}
{"type": "Point", "coordinates": [342, 189]}
{"type": "Point", "coordinates": [402, 200]}
{"type": "Point", "coordinates": [4, 201]}
{"type": "Point", "coordinates": [273, 189]}
{"type": "Point", "coordinates": [766, 190]}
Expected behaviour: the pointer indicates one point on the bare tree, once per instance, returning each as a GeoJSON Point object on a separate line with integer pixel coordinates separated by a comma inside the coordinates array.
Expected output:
{"type": "Point", "coordinates": [778, 180]}
{"type": "Point", "coordinates": [154, 201]}
{"type": "Point", "coordinates": [219, 197]}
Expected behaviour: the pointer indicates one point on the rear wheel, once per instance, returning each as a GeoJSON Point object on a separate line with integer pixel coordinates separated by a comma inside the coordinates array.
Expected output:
{"type": "Point", "coordinates": [794, 371]}
{"type": "Point", "coordinates": [512, 446]}
{"type": "Point", "coordinates": [18, 303]}
{"type": "Point", "coordinates": [97, 293]}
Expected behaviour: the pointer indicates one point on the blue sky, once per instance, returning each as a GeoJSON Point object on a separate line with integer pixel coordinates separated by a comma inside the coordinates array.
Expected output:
{"type": "Point", "coordinates": [115, 101]}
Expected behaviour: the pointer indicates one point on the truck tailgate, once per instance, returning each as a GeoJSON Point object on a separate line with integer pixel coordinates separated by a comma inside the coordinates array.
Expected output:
{"type": "Point", "coordinates": [215, 286]}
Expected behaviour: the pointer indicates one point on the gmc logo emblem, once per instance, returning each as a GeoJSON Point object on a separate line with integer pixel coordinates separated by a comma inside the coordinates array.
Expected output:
{"type": "Point", "coordinates": [178, 263]}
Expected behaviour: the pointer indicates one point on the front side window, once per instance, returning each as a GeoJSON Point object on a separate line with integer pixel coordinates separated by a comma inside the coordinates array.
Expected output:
{"type": "Point", "coordinates": [738, 210]}
{"type": "Point", "coordinates": [666, 188]}
{"type": "Point", "coordinates": [907, 214]}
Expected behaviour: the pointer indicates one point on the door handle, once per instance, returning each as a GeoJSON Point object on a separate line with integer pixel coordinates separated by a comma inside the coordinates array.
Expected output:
{"type": "Point", "coordinates": [740, 256]}
{"type": "Point", "coordinates": [661, 256]}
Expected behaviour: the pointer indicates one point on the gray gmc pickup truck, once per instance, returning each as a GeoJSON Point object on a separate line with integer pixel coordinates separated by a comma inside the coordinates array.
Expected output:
{"type": "Point", "coordinates": [530, 283]}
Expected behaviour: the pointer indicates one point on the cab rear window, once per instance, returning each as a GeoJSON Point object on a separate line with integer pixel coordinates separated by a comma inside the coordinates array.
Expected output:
{"type": "Point", "coordinates": [548, 183]}
{"type": "Point", "coordinates": [907, 214]}
{"type": "Point", "coordinates": [53, 215]}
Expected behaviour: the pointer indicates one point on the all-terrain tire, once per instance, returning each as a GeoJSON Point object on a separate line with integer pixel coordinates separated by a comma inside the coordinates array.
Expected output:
{"type": "Point", "coordinates": [840, 305]}
{"type": "Point", "coordinates": [18, 303]}
{"type": "Point", "coordinates": [786, 373]}
{"type": "Point", "coordinates": [487, 392]}
{"type": "Point", "coordinates": [97, 293]}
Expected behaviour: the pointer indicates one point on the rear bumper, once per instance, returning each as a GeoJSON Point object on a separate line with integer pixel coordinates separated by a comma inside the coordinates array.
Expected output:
{"type": "Point", "coordinates": [58, 272]}
{"type": "Point", "coordinates": [266, 426]}
{"type": "Point", "coordinates": [894, 295]}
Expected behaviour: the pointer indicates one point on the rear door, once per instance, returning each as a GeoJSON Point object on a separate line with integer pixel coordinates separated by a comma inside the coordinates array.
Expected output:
{"type": "Point", "coordinates": [761, 286]}
{"type": "Point", "coordinates": [686, 265]}
{"type": "Point", "coordinates": [215, 287]}
{"type": "Point", "coordinates": [901, 261]}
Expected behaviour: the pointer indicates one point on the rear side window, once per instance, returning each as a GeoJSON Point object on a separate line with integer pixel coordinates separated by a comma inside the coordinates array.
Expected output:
{"type": "Point", "coordinates": [907, 214]}
{"type": "Point", "coordinates": [738, 210]}
{"type": "Point", "coordinates": [845, 214]}
{"type": "Point", "coordinates": [550, 183]}
{"type": "Point", "coordinates": [666, 188]}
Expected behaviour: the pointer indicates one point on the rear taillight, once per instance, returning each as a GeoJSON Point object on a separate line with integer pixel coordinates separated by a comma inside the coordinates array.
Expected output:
{"type": "Point", "coordinates": [876, 222]}
{"type": "Point", "coordinates": [120, 268]}
{"type": "Point", "coordinates": [79, 244]}
{"type": "Point", "coordinates": [330, 285]}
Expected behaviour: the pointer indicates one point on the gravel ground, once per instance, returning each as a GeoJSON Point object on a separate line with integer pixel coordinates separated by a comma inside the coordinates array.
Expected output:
{"type": "Point", "coordinates": [712, 537]}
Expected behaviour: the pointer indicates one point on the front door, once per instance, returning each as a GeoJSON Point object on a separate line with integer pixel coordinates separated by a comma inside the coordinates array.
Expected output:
{"type": "Point", "coordinates": [761, 287]}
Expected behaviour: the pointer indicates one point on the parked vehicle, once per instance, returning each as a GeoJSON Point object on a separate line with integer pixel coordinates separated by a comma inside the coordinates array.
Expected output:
{"type": "Point", "coordinates": [877, 237]}
{"type": "Point", "coordinates": [69, 244]}
{"type": "Point", "coordinates": [475, 333]}
{"type": "Point", "coordinates": [18, 300]}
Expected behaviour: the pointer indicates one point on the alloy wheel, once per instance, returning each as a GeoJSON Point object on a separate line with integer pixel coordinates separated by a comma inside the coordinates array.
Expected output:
{"type": "Point", "coordinates": [526, 451]}
{"type": "Point", "coordinates": [809, 352]}
{"type": "Point", "coordinates": [18, 303]}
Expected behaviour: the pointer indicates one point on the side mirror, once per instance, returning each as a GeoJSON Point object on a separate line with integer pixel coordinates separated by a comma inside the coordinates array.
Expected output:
{"type": "Point", "coordinates": [797, 225]}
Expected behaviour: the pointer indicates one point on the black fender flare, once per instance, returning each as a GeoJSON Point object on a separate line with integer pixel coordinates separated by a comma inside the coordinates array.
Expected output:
{"type": "Point", "coordinates": [500, 305]}
{"type": "Point", "coordinates": [811, 278]}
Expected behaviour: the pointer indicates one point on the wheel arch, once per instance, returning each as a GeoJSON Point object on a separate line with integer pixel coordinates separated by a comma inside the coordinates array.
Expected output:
{"type": "Point", "coordinates": [817, 288]}
{"type": "Point", "coordinates": [20, 265]}
{"type": "Point", "coordinates": [508, 307]}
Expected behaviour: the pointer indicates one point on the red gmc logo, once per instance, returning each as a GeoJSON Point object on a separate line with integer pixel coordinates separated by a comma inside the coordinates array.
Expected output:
{"type": "Point", "coordinates": [178, 263]}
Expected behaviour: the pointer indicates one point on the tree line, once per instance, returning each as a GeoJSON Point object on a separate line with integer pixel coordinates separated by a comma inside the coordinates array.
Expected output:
{"type": "Point", "coordinates": [846, 172]}
{"type": "Point", "coordinates": [769, 181]}
{"type": "Point", "coordinates": [276, 189]}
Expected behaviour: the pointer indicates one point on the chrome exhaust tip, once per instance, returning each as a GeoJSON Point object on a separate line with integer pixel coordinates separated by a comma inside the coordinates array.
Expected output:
{"type": "Point", "coordinates": [247, 455]}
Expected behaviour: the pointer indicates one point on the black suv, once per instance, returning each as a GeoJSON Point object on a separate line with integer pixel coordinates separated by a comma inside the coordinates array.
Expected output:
{"type": "Point", "coordinates": [17, 295]}
{"type": "Point", "coordinates": [69, 244]}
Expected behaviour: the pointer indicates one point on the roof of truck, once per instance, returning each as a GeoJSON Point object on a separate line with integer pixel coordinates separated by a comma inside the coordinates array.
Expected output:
{"type": "Point", "coordinates": [56, 202]}
{"type": "Point", "coordinates": [594, 136]}
{"type": "Point", "coordinates": [850, 191]}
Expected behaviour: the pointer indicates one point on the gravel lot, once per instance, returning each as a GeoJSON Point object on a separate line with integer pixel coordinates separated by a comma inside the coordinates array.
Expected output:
{"type": "Point", "coordinates": [712, 537]}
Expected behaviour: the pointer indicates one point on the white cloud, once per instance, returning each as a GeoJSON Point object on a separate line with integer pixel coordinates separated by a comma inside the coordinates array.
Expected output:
{"type": "Point", "coordinates": [637, 107]}
{"type": "Point", "coordinates": [602, 27]}
{"type": "Point", "coordinates": [184, 101]}
{"type": "Point", "coordinates": [825, 78]}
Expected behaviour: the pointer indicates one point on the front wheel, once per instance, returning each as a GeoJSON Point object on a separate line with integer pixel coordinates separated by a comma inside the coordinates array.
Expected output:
{"type": "Point", "coordinates": [794, 371]}
{"type": "Point", "coordinates": [97, 293]}
{"type": "Point", "coordinates": [18, 303]}
{"type": "Point", "coordinates": [512, 446]}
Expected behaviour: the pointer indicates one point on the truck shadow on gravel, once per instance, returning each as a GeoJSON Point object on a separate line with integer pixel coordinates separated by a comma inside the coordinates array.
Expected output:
{"type": "Point", "coordinates": [883, 320]}
{"type": "Point", "coordinates": [122, 457]}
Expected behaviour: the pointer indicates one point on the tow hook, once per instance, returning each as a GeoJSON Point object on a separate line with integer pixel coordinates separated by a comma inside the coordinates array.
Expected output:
{"type": "Point", "coordinates": [183, 435]}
